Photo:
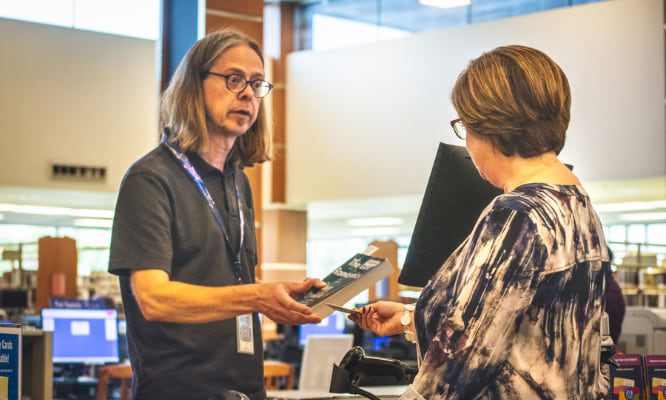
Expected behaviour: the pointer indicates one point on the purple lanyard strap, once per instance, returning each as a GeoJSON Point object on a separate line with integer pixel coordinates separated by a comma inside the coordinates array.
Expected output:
{"type": "Point", "coordinates": [185, 162]}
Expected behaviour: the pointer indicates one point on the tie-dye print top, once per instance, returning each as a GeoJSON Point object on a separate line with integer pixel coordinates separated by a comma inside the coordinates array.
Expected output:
{"type": "Point", "coordinates": [514, 313]}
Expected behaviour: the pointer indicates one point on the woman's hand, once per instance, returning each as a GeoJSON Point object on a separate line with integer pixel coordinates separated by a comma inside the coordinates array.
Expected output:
{"type": "Point", "coordinates": [381, 318]}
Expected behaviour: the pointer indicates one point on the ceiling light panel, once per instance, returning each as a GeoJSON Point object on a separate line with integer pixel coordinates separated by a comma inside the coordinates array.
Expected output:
{"type": "Point", "coordinates": [445, 3]}
{"type": "Point", "coordinates": [63, 211]}
{"type": "Point", "coordinates": [377, 231]}
{"type": "Point", "coordinates": [93, 223]}
{"type": "Point", "coordinates": [632, 206]}
{"type": "Point", "coordinates": [642, 217]}
{"type": "Point", "coordinates": [376, 221]}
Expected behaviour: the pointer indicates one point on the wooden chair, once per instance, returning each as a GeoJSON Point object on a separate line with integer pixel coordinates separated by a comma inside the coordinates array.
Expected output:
{"type": "Point", "coordinates": [117, 371]}
{"type": "Point", "coordinates": [275, 372]}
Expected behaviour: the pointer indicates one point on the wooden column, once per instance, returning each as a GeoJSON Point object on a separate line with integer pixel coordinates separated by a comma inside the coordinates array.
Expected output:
{"type": "Point", "coordinates": [245, 15]}
{"type": "Point", "coordinates": [284, 247]}
{"type": "Point", "coordinates": [284, 252]}
{"type": "Point", "coordinates": [389, 250]}
{"type": "Point", "coordinates": [285, 229]}
{"type": "Point", "coordinates": [280, 19]}
{"type": "Point", "coordinates": [57, 270]}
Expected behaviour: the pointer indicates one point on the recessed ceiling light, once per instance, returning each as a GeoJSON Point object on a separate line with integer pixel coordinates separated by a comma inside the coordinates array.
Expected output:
{"type": "Point", "coordinates": [445, 3]}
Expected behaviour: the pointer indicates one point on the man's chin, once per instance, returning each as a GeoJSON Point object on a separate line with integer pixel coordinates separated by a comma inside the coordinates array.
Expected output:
{"type": "Point", "coordinates": [236, 131]}
{"type": "Point", "coordinates": [241, 128]}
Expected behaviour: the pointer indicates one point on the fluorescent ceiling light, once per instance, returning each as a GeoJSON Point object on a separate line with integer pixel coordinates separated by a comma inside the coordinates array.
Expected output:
{"type": "Point", "coordinates": [644, 217]}
{"type": "Point", "coordinates": [445, 3]}
{"type": "Point", "coordinates": [64, 211]}
{"type": "Point", "coordinates": [633, 206]}
{"type": "Point", "coordinates": [93, 223]}
{"type": "Point", "coordinates": [380, 231]}
{"type": "Point", "coordinates": [378, 221]}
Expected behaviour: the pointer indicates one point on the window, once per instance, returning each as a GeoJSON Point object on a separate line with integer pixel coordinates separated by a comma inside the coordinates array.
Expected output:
{"type": "Point", "coordinates": [330, 32]}
{"type": "Point", "coordinates": [656, 233]}
{"type": "Point", "coordinates": [92, 245]}
{"type": "Point", "coordinates": [337, 23]}
{"type": "Point", "coordinates": [136, 18]}
{"type": "Point", "coordinates": [617, 233]}
{"type": "Point", "coordinates": [636, 233]}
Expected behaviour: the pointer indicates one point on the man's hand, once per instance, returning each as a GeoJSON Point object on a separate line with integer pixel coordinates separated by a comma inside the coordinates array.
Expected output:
{"type": "Point", "coordinates": [276, 301]}
{"type": "Point", "coordinates": [161, 299]}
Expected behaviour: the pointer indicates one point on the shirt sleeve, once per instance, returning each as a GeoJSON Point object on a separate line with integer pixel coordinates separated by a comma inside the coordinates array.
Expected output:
{"type": "Point", "coordinates": [497, 280]}
{"type": "Point", "coordinates": [141, 235]}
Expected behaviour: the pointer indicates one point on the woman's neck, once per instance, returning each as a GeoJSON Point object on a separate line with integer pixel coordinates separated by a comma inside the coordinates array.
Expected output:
{"type": "Point", "coordinates": [545, 168]}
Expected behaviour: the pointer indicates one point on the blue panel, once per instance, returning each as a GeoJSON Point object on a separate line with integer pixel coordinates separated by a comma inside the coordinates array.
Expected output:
{"type": "Point", "coordinates": [182, 30]}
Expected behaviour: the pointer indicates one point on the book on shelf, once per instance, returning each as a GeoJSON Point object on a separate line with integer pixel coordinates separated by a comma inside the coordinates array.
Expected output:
{"type": "Point", "coordinates": [349, 279]}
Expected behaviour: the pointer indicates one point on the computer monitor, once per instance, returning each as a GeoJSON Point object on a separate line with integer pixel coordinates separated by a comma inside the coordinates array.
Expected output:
{"type": "Point", "coordinates": [334, 324]}
{"type": "Point", "coordinates": [123, 352]}
{"type": "Point", "coordinates": [454, 198]}
{"type": "Point", "coordinates": [82, 335]}
{"type": "Point", "coordinates": [14, 298]}
{"type": "Point", "coordinates": [319, 355]}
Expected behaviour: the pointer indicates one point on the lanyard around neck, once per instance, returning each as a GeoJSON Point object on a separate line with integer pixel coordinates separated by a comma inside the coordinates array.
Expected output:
{"type": "Point", "coordinates": [185, 162]}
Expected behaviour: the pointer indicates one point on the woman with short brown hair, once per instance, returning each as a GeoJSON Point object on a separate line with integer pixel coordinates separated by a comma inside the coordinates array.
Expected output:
{"type": "Point", "coordinates": [514, 312]}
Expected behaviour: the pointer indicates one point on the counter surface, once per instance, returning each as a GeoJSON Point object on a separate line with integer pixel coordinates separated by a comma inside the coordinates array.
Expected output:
{"type": "Point", "coordinates": [383, 392]}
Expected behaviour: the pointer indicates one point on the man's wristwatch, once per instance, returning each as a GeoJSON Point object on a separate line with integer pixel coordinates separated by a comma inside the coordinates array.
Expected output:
{"type": "Point", "coordinates": [406, 320]}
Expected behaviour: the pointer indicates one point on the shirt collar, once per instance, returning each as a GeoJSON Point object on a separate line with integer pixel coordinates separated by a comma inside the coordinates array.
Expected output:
{"type": "Point", "coordinates": [203, 167]}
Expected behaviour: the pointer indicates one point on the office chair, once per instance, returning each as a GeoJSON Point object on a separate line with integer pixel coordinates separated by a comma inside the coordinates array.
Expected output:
{"type": "Point", "coordinates": [119, 371]}
{"type": "Point", "coordinates": [275, 372]}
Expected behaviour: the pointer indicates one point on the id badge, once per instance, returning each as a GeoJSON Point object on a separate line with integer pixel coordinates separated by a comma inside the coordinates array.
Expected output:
{"type": "Point", "coordinates": [244, 334]}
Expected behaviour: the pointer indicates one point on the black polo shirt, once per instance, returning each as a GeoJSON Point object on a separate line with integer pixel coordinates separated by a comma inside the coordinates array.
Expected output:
{"type": "Point", "coordinates": [162, 221]}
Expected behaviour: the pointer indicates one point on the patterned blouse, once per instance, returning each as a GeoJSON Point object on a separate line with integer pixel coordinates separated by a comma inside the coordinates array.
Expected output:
{"type": "Point", "coordinates": [514, 313]}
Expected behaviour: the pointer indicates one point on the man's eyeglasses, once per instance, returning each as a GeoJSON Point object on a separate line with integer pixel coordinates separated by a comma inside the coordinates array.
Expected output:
{"type": "Point", "coordinates": [459, 128]}
{"type": "Point", "coordinates": [236, 83]}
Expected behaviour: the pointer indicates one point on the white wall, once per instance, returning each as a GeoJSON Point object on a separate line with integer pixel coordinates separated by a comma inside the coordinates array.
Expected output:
{"type": "Point", "coordinates": [73, 97]}
{"type": "Point", "coordinates": [366, 121]}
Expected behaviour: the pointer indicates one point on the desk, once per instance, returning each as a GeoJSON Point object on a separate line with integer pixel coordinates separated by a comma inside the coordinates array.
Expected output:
{"type": "Point", "coordinates": [37, 375]}
{"type": "Point", "coordinates": [383, 392]}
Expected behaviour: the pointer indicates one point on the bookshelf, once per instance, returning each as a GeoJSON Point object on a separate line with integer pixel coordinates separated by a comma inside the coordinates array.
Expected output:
{"type": "Point", "coordinates": [641, 273]}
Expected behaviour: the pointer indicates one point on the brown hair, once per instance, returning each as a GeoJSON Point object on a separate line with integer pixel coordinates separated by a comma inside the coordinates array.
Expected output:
{"type": "Point", "coordinates": [182, 108]}
{"type": "Point", "coordinates": [516, 97]}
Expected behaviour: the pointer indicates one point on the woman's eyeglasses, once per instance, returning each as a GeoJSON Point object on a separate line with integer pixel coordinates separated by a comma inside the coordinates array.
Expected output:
{"type": "Point", "coordinates": [458, 128]}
